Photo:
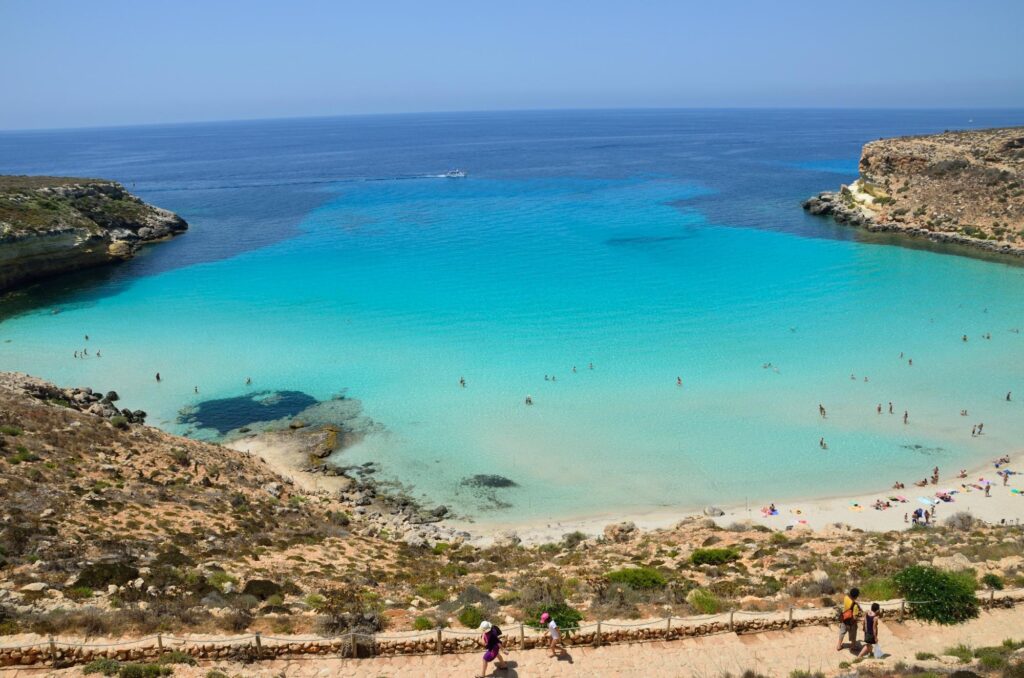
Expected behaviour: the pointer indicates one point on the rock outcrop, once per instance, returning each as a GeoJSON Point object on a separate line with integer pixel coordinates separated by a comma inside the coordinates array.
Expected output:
{"type": "Point", "coordinates": [54, 225]}
{"type": "Point", "coordinates": [964, 188]}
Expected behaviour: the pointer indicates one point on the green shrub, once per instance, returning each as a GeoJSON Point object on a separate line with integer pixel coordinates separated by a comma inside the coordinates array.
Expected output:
{"type": "Point", "coordinates": [431, 592]}
{"type": "Point", "coordinates": [440, 547]}
{"type": "Point", "coordinates": [78, 593]}
{"type": "Point", "coordinates": [567, 617]}
{"type": "Point", "coordinates": [806, 674]}
{"type": "Point", "coordinates": [471, 616]}
{"type": "Point", "coordinates": [108, 667]}
{"type": "Point", "coordinates": [714, 556]}
{"type": "Point", "coordinates": [119, 422]}
{"type": "Point", "coordinates": [10, 430]}
{"type": "Point", "coordinates": [422, 624]}
{"type": "Point", "coordinates": [176, 657]}
{"type": "Point", "coordinates": [880, 588]}
{"type": "Point", "coordinates": [961, 652]}
{"type": "Point", "coordinates": [704, 601]}
{"type": "Point", "coordinates": [934, 595]}
{"type": "Point", "coordinates": [214, 673]}
{"type": "Point", "coordinates": [144, 671]}
{"type": "Point", "coordinates": [924, 656]}
{"type": "Point", "coordinates": [314, 600]}
{"type": "Point", "coordinates": [641, 578]}
{"type": "Point", "coordinates": [992, 581]}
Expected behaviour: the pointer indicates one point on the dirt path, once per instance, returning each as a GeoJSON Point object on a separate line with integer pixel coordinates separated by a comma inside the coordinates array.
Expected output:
{"type": "Point", "coordinates": [772, 654]}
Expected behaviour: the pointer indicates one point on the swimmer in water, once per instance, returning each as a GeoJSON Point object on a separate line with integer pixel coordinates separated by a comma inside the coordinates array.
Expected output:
{"type": "Point", "coordinates": [679, 381]}
{"type": "Point", "coordinates": [158, 376]}
{"type": "Point", "coordinates": [462, 382]}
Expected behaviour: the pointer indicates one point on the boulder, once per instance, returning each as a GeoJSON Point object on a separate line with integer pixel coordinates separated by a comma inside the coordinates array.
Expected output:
{"type": "Point", "coordinates": [274, 489]}
{"type": "Point", "coordinates": [957, 562]}
{"type": "Point", "coordinates": [620, 532]}
{"type": "Point", "coordinates": [34, 587]}
{"type": "Point", "coordinates": [507, 538]}
{"type": "Point", "coordinates": [713, 511]}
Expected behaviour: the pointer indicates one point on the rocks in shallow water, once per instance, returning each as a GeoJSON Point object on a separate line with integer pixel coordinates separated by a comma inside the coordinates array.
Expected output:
{"type": "Point", "coordinates": [620, 532]}
{"type": "Point", "coordinates": [440, 511]}
{"type": "Point", "coordinates": [488, 480]}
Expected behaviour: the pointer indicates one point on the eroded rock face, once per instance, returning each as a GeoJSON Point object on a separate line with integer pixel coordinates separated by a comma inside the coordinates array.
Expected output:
{"type": "Point", "coordinates": [53, 225]}
{"type": "Point", "coordinates": [620, 532]}
{"type": "Point", "coordinates": [963, 188]}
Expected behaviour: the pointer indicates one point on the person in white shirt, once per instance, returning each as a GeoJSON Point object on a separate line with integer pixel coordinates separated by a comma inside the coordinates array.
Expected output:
{"type": "Point", "coordinates": [553, 633]}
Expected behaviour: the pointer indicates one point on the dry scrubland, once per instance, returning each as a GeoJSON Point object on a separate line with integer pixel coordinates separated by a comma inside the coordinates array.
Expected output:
{"type": "Point", "coordinates": [957, 187]}
{"type": "Point", "coordinates": [115, 529]}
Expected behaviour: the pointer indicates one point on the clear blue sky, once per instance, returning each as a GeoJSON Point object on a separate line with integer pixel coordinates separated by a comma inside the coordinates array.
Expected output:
{"type": "Point", "coordinates": [69, 63]}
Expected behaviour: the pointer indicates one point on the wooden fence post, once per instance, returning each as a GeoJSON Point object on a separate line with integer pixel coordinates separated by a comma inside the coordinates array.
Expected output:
{"type": "Point", "coordinates": [991, 597]}
{"type": "Point", "coordinates": [597, 635]}
{"type": "Point", "coordinates": [53, 651]}
{"type": "Point", "coordinates": [440, 642]}
{"type": "Point", "coordinates": [903, 610]}
{"type": "Point", "coordinates": [522, 636]}
{"type": "Point", "coordinates": [790, 617]}
{"type": "Point", "coordinates": [668, 628]}
{"type": "Point", "coordinates": [731, 626]}
{"type": "Point", "coordinates": [259, 646]}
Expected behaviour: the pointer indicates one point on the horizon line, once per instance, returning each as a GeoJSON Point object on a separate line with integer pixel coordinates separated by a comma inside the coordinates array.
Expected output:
{"type": "Point", "coordinates": [330, 116]}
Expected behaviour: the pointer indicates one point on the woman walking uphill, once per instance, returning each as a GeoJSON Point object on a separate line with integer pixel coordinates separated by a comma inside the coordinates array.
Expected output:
{"type": "Point", "coordinates": [491, 640]}
{"type": "Point", "coordinates": [848, 618]}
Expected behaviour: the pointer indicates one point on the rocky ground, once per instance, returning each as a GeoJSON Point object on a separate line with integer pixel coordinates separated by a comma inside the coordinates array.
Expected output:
{"type": "Point", "coordinates": [111, 527]}
{"type": "Point", "coordinates": [53, 225]}
{"type": "Point", "coordinates": [957, 187]}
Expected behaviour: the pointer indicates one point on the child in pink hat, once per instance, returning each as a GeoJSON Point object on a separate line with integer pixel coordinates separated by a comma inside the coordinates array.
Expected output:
{"type": "Point", "coordinates": [556, 637]}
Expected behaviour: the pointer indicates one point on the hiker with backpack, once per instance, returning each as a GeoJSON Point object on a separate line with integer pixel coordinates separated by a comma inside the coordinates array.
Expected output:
{"type": "Point", "coordinates": [848, 618]}
{"type": "Point", "coordinates": [491, 641]}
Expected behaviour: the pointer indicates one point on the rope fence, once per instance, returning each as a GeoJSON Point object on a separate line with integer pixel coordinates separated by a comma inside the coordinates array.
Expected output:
{"type": "Point", "coordinates": [256, 646]}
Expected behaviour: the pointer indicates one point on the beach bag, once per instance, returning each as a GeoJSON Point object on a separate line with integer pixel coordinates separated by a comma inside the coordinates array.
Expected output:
{"type": "Point", "coordinates": [847, 616]}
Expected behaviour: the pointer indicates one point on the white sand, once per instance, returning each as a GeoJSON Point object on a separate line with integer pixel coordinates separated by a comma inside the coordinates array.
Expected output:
{"type": "Point", "coordinates": [816, 514]}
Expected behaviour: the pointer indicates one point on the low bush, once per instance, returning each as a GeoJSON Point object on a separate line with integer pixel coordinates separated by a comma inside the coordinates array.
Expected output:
{"type": "Point", "coordinates": [719, 556]}
{"type": "Point", "coordinates": [106, 667]}
{"type": "Point", "coordinates": [471, 616]}
{"type": "Point", "coordinates": [924, 656]}
{"type": "Point", "coordinates": [962, 652]}
{"type": "Point", "coordinates": [934, 595]}
{"type": "Point", "coordinates": [992, 581]}
{"type": "Point", "coordinates": [704, 601]}
{"type": "Point", "coordinates": [880, 588]}
{"type": "Point", "coordinates": [176, 657]}
{"type": "Point", "coordinates": [961, 520]}
{"type": "Point", "coordinates": [642, 578]}
{"type": "Point", "coordinates": [567, 617]}
{"type": "Point", "coordinates": [144, 671]}
{"type": "Point", "coordinates": [422, 624]}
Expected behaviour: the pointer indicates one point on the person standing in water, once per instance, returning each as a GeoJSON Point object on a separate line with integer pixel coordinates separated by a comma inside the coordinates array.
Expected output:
{"type": "Point", "coordinates": [158, 376]}
{"type": "Point", "coordinates": [462, 382]}
{"type": "Point", "coordinates": [679, 381]}
{"type": "Point", "coordinates": [890, 407]}
{"type": "Point", "coordinates": [906, 416]}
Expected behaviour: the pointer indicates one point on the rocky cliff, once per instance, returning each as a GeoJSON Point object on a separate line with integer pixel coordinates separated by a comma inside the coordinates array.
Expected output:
{"type": "Point", "coordinates": [53, 225]}
{"type": "Point", "coordinates": [956, 187]}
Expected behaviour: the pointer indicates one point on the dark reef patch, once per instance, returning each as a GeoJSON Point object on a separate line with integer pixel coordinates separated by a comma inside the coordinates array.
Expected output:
{"type": "Point", "coordinates": [227, 414]}
{"type": "Point", "coordinates": [487, 480]}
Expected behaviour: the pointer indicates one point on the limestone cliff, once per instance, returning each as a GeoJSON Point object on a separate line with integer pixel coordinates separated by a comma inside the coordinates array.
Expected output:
{"type": "Point", "coordinates": [53, 225]}
{"type": "Point", "coordinates": [957, 187]}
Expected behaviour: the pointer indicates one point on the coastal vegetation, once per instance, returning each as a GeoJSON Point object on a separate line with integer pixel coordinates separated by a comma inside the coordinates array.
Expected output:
{"type": "Point", "coordinates": [54, 225]}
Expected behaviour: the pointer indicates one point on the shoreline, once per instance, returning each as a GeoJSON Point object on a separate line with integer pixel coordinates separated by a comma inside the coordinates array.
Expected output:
{"type": "Point", "coordinates": [285, 455]}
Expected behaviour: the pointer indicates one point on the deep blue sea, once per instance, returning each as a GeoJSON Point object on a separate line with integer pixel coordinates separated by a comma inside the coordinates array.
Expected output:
{"type": "Point", "coordinates": [327, 257]}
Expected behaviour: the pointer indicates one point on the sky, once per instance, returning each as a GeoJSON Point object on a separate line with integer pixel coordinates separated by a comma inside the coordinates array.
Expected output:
{"type": "Point", "coordinates": [73, 63]}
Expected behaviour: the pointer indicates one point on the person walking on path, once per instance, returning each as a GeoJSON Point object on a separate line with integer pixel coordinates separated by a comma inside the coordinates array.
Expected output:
{"type": "Point", "coordinates": [491, 641]}
{"type": "Point", "coordinates": [555, 642]}
{"type": "Point", "coordinates": [848, 619]}
{"type": "Point", "coordinates": [871, 627]}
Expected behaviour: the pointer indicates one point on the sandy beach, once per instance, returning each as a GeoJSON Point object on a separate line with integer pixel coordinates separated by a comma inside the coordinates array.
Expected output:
{"type": "Point", "coordinates": [814, 513]}
{"type": "Point", "coordinates": [285, 455]}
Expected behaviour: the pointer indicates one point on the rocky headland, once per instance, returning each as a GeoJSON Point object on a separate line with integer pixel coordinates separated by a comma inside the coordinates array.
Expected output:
{"type": "Point", "coordinates": [55, 225]}
{"type": "Point", "coordinates": [963, 188]}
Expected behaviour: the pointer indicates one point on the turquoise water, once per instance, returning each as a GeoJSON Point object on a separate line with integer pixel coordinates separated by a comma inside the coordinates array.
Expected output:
{"type": "Point", "coordinates": [389, 291]}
